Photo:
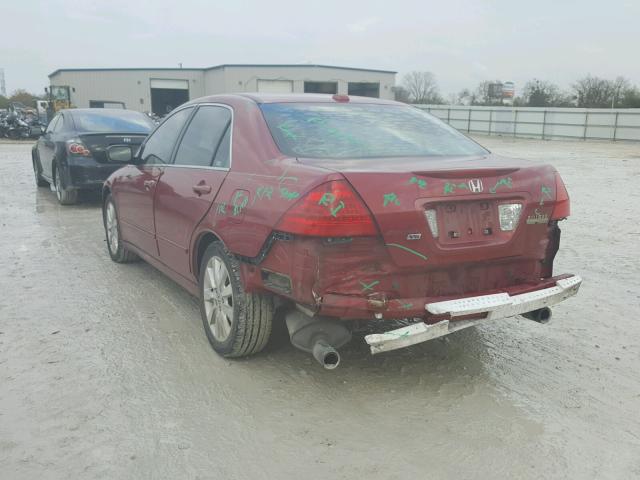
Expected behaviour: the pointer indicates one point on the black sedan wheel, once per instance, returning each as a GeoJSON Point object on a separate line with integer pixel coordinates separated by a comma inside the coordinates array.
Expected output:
{"type": "Point", "coordinates": [40, 182]}
{"type": "Point", "coordinates": [66, 196]}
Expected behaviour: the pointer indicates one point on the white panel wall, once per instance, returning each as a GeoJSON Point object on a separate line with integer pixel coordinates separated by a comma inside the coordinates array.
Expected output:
{"type": "Point", "coordinates": [580, 123]}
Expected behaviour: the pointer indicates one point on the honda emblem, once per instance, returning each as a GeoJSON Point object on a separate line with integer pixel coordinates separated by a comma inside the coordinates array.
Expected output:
{"type": "Point", "coordinates": [475, 185]}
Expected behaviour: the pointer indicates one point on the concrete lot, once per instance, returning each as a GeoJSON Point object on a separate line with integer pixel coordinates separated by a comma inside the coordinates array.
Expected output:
{"type": "Point", "coordinates": [105, 371]}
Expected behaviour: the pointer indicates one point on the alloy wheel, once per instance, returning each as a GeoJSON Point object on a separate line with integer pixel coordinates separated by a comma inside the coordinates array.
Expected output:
{"type": "Point", "coordinates": [218, 298]}
{"type": "Point", "coordinates": [56, 180]}
{"type": "Point", "coordinates": [112, 228]}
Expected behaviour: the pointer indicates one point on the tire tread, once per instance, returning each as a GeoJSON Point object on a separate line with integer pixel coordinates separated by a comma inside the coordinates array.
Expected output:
{"type": "Point", "coordinates": [254, 311]}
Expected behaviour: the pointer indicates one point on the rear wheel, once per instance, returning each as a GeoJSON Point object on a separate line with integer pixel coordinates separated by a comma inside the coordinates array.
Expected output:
{"type": "Point", "coordinates": [237, 324]}
{"type": "Point", "coordinates": [40, 182]}
{"type": "Point", "coordinates": [117, 250]}
{"type": "Point", "coordinates": [66, 196]}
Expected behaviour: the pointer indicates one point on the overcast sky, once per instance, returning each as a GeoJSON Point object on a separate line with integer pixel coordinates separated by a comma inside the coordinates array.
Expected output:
{"type": "Point", "coordinates": [461, 41]}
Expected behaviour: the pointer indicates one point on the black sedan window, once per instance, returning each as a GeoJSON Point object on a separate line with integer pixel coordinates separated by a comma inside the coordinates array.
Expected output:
{"type": "Point", "coordinates": [118, 121]}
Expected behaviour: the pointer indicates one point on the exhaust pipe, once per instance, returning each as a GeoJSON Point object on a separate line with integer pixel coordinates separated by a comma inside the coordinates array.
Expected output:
{"type": "Point", "coordinates": [541, 315]}
{"type": "Point", "coordinates": [326, 355]}
{"type": "Point", "coordinates": [319, 336]}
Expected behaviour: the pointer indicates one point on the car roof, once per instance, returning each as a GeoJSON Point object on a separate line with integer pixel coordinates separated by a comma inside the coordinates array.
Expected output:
{"type": "Point", "coordinates": [292, 98]}
{"type": "Point", "coordinates": [106, 111]}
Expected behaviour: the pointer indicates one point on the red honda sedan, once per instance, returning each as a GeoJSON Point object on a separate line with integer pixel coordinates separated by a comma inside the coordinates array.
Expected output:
{"type": "Point", "coordinates": [338, 210]}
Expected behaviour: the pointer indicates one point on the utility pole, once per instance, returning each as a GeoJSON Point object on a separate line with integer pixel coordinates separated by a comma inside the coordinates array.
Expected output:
{"type": "Point", "coordinates": [3, 87]}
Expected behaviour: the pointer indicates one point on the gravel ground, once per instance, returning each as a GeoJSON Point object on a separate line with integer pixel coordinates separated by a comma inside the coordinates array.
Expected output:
{"type": "Point", "coordinates": [105, 371]}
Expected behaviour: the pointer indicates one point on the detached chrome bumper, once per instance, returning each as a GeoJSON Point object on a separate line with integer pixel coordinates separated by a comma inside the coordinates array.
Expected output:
{"type": "Point", "coordinates": [499, 305]}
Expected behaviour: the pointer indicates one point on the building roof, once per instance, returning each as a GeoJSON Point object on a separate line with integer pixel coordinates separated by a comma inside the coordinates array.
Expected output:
{"type": "Point", "coordinates": [255, 65]}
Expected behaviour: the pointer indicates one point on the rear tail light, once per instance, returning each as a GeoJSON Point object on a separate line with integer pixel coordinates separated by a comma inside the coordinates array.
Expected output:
{"type": "Point", "coordinates": [562, 207]}
{"type": "Point", "coordinates": [332, 209]}
{"type": "Point", "coordinates": [509, 214]}
{"type": "Point", "coordinates": [76, 147]}
{"type": "Point", "coordinates": [432, 221]}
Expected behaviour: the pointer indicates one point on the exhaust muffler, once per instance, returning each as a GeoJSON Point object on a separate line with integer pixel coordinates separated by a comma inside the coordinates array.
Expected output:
{"type": "Point", "coordinates": [319, 336]}
{"type": "Point", "coordinates": [541, 315]}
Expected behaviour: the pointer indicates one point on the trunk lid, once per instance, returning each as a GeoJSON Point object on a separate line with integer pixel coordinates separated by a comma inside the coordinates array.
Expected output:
{"type": "Point", "coordinates": [98, 143]}
{"type": "Point", "coordinates": [465, 195]}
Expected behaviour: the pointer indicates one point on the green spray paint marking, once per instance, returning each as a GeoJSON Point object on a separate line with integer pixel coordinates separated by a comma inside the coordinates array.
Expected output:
{"type": "Point", "coordinates": [420, 182]}
{"type": "Point", "coordinates": [262, 192]}
{"type": "Point", "coordinates": [395, 284]}
{"type": "Point", "coordinates": [406, 306]}
{"type": "Point", "coordinates": [450, 187]}
{"type": "Point", "coordinates": [283, 178]}
{"type": "Point", "coordinates": [503, 181]}
{"type": "Point", "coordinates": [327, 199]}
{"type": "Point", "coordinates": [287, 194]}
{"type": "Point", "coordinates": [369, 286]}
{"type": "Point", "coordinates": [240, 200]}
{"type": "Point", "coordinates": [221, 209]}
{"type": "Point", "coordinates": [334, 211]}
{"type": "Point", "coordinates": [390, 198]}
{"type": "Point", "coordinates": [285, 128]}
{"type": "Point", "coordinates": [545, 192]}
{"type": "Point", "coordinates": [407, 249]}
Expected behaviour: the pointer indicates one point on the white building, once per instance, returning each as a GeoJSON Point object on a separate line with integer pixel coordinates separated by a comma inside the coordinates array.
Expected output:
{"type": "Point", "coordinates": [161, 89]}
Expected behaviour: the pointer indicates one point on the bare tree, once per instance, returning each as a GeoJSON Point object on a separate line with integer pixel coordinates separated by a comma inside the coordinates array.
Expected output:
{"type": "Point", "coordinates": [483, 94]}
{"type": "Point", "coordinates": [594, 92]}
{"type": "Point", "coordinates": [401, 94]}
{"type": "Point", "coordinates": [620, 85]}
{"type": "Point", "coordinates": [422, 87]}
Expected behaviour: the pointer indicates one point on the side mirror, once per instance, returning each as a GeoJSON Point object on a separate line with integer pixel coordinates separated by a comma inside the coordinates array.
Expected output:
{"type": "Point", "coordinates": [118, 153]}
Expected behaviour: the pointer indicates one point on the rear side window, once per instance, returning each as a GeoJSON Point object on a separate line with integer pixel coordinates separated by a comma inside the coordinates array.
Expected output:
{"type": "Point", "coordinates": [59, 126]}
{"type": "Point", "coordinates": [52, 124]}
{"type": "Point", "coordinates": [347, 130]}
{"type": "Point", "coordinates": [158, 148]}
{"type": "Point", "coordinates": [203, 137]}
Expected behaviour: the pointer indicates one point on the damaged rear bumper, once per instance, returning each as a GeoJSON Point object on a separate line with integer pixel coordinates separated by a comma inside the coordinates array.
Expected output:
{"type": "Point", "coordinates": [485, 307]}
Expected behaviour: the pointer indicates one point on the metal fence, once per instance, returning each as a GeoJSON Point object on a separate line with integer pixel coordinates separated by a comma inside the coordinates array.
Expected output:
{"type": "Point", "coordinates": [545, 123]}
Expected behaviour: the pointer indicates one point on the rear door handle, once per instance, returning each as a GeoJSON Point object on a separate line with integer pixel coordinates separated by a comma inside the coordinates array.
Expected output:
{"type": "Point", "coordinates": [201, 189]}
{"type": "Point", "coordinates": [149, 184]}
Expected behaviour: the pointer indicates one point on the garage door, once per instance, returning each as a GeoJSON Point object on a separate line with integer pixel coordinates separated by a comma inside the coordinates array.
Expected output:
{"type": "Point", "coordinates": [170, 84]}
{"type": "Point", "coordinates": [275, 86]}
{"type": "Point", "coordinates": [167, 94]}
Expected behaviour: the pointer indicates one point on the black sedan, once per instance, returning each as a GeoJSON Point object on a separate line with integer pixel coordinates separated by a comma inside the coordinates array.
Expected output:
{"type": "Point", "coordinates": [82, 147]}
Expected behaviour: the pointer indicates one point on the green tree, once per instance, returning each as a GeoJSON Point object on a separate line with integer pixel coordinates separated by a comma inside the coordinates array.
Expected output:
{"type": "Point", "coordinates": [540, 93]}
{"type": "Point", "coordinates": [24, 97]}
{"type": "Point", "coordinates": [630, 98]}
{"type": "Point", "coordinates": [4, 102]}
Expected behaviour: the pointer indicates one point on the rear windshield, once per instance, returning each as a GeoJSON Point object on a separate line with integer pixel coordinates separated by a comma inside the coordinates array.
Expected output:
{"type": "Point", "coordinates": [321, 130]}
{"type": "Point", "coordinates": [122, 121]}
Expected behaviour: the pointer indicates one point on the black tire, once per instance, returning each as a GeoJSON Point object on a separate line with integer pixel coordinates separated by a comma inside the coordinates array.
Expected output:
{"type": "Point", "coordinates": [250, 327]}
{"type": "Point", "coordinates": [40, 182]}
{"type": "Point", "coordinates": [66, 196]}
{"type": "Point", "coordinates": [117, 251]}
